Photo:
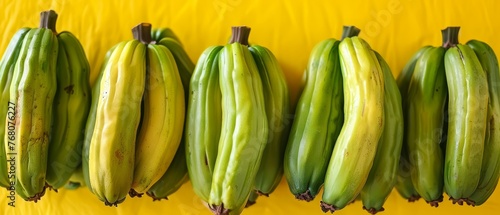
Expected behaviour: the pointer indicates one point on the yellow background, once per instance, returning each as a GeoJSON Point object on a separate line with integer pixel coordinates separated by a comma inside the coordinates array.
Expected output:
{"type": "Point", "coordinates": [395, 28]}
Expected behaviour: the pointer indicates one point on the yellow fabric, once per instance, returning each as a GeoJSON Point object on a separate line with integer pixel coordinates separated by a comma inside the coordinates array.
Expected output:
{"type": "Point", "coordinates": [396, 28]}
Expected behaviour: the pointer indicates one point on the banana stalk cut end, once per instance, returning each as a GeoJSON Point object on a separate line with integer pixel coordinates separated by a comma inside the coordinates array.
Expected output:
{"type": "Point", "coordinates": [450, 36]}
{"type": "Point", "coordinates": [350, 31]}
{"type": "Point", "coordinates": [48, 20]}
{"type": "Point", "coordinates": [240, 35]}
{"type": "Point", "coordinates": [142, 32]}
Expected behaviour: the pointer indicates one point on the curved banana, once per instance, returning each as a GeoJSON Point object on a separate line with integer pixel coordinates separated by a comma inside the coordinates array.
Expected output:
{"type": "Point", "coordinates": [244, 127]}
{"type": "Point", "coordinates": [89, 126]}
{"type": "Point", "coordinates": [175, 176]}
{"type": "Point", "coordinates": [467, 114]}
{"type": "Point", "coordinates": [313, 135]}
{"type": "Point", "coordinates": [203, 122]}
{"type": "Point", "coordinates": [364, 121]}
{"type": "Point", "coordinates": [160, 33]}
{"type": "Point", "coordinates": [162, 120]}
{"type": "Point", "coordinates": [404, 77]}
{"type": "Point", "coordinates": [184, 63]}
{"type": "Point", "coordinates": [76, 180]}
{"type": "Point", "coordinates": [112, 146]}
{"type": "Point", "coordinates": [7, 66]}
{"type": "Point", "coordinates": [383, 173]}
{"type": "Point", "coordinates": [425, 106]}
{"type": "Point", "coordinates": [277, 110]}
{"type": "Point", "coordinates": [490, 169]}
{"type": "Point", "coordinates": [71, 107]}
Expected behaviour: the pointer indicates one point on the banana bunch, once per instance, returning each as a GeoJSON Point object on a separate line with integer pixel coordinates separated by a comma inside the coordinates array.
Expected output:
{"type": "Point", "coordinates": [45, 82]}
{"type": "Point", "coordinates": [451, 103]}
{"type": "Point", "coordinates": [136, 121]}
{"type": "Point", "coordinates": [236, 121]}
{"type": "Point", "coordinates": [348, 127]}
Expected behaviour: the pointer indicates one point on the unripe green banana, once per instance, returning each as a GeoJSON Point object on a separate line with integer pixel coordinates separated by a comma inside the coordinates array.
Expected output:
{"type": "Point", "coordinates": [160, 33]}
{"type": "Point", "coordinates": [355, 148]}
{"type": "Point", "coordinates": [89, 127]}
{"type": "Point", "coordinates": [7, 66]}
{"type": "Point", "coordinates": [244, 127]}
{"type": "Point", "coordinates": [32, 93]}
{"type": "Point", "coordinates": [424, 116]}
{"type": "Point", "coordinates": [203, 122]}
{"type": "Point", "coordinates": [490, 169]}
{"type": "Point", "coordinates": [71, 107]}
{"type": "Point", "coordinates": [162, 121]}
{"type": "Point", "coordinates": [175, 176]}
{"type": "Point", "coordinates": [467, 113]}
{"type": "Point", "coordinates": [118, 112]}
{"type": "Point", "coordinates": [76, 180]}
{"type": "Point", "coordinates": [313, 132]}
{"type": "Point", "coordinates": [383, 173]}
{"type": "Point", "coordinates": [277, 110]}
{"type": "Point", "coordinates": [252, 199]}
{"type": "Point", "coordinates": [404, 185]}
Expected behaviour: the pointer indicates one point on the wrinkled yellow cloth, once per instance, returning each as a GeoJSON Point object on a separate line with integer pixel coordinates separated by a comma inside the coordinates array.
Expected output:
{"type": "Point", "coordinates": [395, 28]}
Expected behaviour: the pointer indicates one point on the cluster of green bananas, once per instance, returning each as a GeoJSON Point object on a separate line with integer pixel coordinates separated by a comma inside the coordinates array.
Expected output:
{"type": "Point", "coordinates": [236, 124]}
{"type": "Point", "coordinates": [45, 83]}
{"type": "Point", "coordinates": [348, 128]}
{"type": "Point", "coordinates": [133, 137]}
{"type": "Point", "coordinates": [451, 103]}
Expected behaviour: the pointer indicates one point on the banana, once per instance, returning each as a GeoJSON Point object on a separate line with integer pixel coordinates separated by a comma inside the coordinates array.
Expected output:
{"type": "Point", "coordinates": [162, 121]}
{"type": "Point", "coordinates": [424, 114]}
{"type": "Point", "coordinates": [490, 169]}
{"type": "Point", "coordinates": [244, 127]}
{"type": "Point", "coordinates": [203, 122]}
{"type": "Point", "coordinates": [313, 132]}
{"type": "Point", "coordinates": [252, 199]}
{"type": "Point", "coordinates": [71, 107]}
{"type": "Point", "coordinates": [184, 63]}
{"type": "Point", "coordinates": [277, 110]}
{"type": "Point", "coordinates": [89, 126]}
{"type": "Point", "coordinates": [354, 151]}
{"type": "Point", "coordinates": [7, 66]}
{"type": "Point", "coordinates": [160, 33]}
{"type": "Point", "coordinates": [117, 117]}
{"type": "Point", "coordinates": [467, 112]}
{"type": "Point", "coordinates": [32, 92]}
{"type": "Point", "coordinates": [175, 176]}
{"type": "Point", "coordinates": [383, 173]}
{"type": "Point", "coordinates": [404, 185]}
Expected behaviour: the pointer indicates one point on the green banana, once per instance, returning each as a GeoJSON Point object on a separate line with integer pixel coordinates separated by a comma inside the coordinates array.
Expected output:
{"type": "Point", "coordinates": [467, 113]}
{"type": "Point", "coordinates": [76, 180]}
{"type": "Point", "coordinates": [404, 185]}
{"type": "Point", "coordinates": [160, 33]}
{"type": "Point", "coordinates": [203, 122]}
{"type": "Point", "coordinates": [313, 135]}
{"type": "Point", "coordinates": [252, 199]}
{"type": "Point", "coordinates": [118, 112]}
{"type": "Point", "coordinates": [424, 115]}
{"type": "Point", "coordinates": [7, 66]}
{"type": "Point", "coordinates": [32, 92]}
{"type": "Point", "coordinates": [277, 110]}
{"type": "Point", "coordinates": [71, 107]}
{"type": "Point", "coordinates": [354, 151]}
{"type": "Point", "coordinates": [383, 173]}
{"type": "Point", "coordinates": [162, 119]}
{"type": "Point", "coordinates": [244, 127]}
{"type": "Point", "coordinates": [175, 176]}
{"type": "Point", "coordinates": [89, 126]}
{"type": "Point", "coordinates": [490, 169]}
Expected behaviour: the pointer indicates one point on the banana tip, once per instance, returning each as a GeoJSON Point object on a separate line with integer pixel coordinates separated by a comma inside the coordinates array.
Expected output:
{"type": "Point", "coordinates": [373, 210]}
{"type": "Point", "coordinates": [306, 196]}
{"type": "Point", "coordinates": [325, 207]}
{"type": "Point", "coordinates": [414, 198]}
{"type": "Point", "coordinates": [155, 198]}
{"type": "Point", "coordinates": [461, 201]}
{"type": "Point", "coordinates": [132, 193]}
{"type": "Point", "coordinates": [219, 209]}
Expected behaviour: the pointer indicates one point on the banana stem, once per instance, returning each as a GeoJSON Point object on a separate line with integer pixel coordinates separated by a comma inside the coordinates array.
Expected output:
{"type": "Point", "coordinates": [48, 20]}
{"type": "Point", "coordinates": [350, 31]}
{"type": "Point", "coordinates": [450, 36]}
{"type": "Point", "coordinates": [142, 32]}
{"type": "Point", "coordinates": [240, 35]}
